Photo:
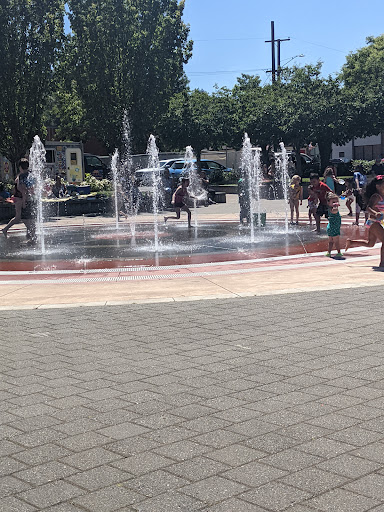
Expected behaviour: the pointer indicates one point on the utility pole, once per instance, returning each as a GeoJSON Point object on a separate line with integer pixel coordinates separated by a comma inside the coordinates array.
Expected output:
{"type": "Point", "coordinates": [278, 56]}
{"type": "Point", "coordinates": [272, 41]}
{"type": "Point", "coordinates": [273, 48]}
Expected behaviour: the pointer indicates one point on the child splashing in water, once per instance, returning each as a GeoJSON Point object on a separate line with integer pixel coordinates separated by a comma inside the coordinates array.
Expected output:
{"type": "Point", "coordinates": [334, 224]}
{"type": "Point", "coordinates": [179, 200]}
{"type": "Point", "coordinates": [295, 196]}
{"type": "Point", "coordinates": [375, 198]}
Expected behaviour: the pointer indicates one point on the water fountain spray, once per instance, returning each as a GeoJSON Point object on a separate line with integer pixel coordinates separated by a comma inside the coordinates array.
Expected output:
{"type": "Point", "coordinates": [154, 165]}
{"type": "Point", "coordinates": [257, 175]}
{"type": "Point", "coordinates": [195, 188]}
{"type": "Point", "coordinates": [37, 165]}
{"type": "Point", "coordinates": [116, 184]}
{"type": "Point", "coordinates": [127, 175]}
{"type": "Point", "coordinates": [247, 174]}
{"type": "Point", "coordinates": [283, 175]}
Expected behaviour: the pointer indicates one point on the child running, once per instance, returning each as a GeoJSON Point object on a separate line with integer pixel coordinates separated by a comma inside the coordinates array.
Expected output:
{"type": "Point", "coordinates": [375, 198]}
{"type": "Point", "coordinates": [312, 203]}
{"type": "Point", "coordinates": [334, 224]}
{"type": "Point", "coordinates": [349, 195]}
{"type": "Point", "coordinates": [295, 197]}
{"type": "Point", "coordinates": [321, 190]}
{"type": "Point", "coordinates": [179, 199]}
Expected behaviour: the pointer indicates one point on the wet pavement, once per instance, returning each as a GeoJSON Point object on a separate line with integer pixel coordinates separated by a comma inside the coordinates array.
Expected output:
{"type": "Point", "coordinates": [105, 247]}
{"type": "Point", "coordinates": [97, 243]}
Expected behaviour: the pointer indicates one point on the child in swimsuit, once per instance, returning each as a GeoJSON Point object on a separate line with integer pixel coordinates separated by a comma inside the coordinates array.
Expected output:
{"type": "Point", "coordinates": [295, 196]}
{"type": "Point", "coordinates": [349, 195]}
{"type": "Point", "coordinates": [375, 198]}
{"type": "Point", "coordinates": [179, 200]}
{"type": "Point", "coordinates": [313, 201]}
{"type": "Point", "coordinates": [334, 224]}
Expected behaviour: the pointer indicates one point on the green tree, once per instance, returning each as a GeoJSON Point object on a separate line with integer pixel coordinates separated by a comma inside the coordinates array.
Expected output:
{"type": "Point", "coordinates": [315, 109]}
{"type": "Point", "coordinates": [299, 88]}
{"type": "Point", "coordinates": [258, 112]}
{"type": "Point", "coordinates": [124, 55]}
{"type": "Point", "coordinates": [196, 118]}
{"type": "Point", "coordinates": [363, 76]}
{"type": "Point", "coordinates": [31, 34]}
{"type": "Point", "coordinates": [330, 121]}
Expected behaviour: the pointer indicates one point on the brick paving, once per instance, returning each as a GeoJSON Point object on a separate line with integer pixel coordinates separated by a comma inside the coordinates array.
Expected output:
{"type": "Point", "coordinates": [236, 405]}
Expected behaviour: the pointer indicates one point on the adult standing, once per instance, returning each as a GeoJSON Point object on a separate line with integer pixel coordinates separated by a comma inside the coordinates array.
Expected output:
{"type": "Point", "coordinates": [330, 178]}
{"type": "Point", "coordinates": [20, 195]}
{"type": "Point", "coordinates": [271, 194]}
{"type": "Point", "coordinates": [321, 190]}
{"type": "Point", "coordinates": [205, 185]}
{"type": "Point", "coordinates": [377, 167]}
{"type": "Point", "coordinates": [167, 187]}
{"type": "Point", "coordinates": [59, 189]}
{"type": "Point", "coordinates": [360, 182]}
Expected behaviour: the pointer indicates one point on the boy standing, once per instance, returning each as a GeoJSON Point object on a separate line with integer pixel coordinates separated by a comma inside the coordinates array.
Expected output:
{"type": "Point", "coordinates": [321, 190]}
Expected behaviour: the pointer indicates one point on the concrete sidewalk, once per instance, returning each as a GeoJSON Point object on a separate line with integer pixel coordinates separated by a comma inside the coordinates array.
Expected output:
{"type": "Point", "coordinates": [301, 273]}
{"type": "Point", "coordinates": [250, 404]}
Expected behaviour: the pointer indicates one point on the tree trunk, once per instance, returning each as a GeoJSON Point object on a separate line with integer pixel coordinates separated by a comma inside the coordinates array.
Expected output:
{"type": "Point", "coordinates": [325, 149]}
{"type": "Point", "coordinates": [14, 170]}
{"type": "Point", "coordinates": [198, 159]}
{"type": "Point", "coordinates": [298, 159]}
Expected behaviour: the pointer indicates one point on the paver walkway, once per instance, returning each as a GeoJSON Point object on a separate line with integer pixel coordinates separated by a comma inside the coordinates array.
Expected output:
{"type": "Point", "coordinates": [236, 405]}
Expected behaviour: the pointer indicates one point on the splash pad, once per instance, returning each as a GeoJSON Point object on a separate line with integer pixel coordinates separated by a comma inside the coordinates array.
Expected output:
{"type": "Point", "coordinates": [129, 243]}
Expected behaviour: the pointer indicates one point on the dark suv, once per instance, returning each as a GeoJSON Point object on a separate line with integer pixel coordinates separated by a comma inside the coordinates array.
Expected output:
{"type": "Point", "coordinates": [94, 166]}
{"type": "Point", "coordinates": [308, 164]}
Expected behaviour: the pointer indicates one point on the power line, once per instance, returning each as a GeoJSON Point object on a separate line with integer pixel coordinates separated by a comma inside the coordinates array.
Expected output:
{"type": "Point", "coordinates": [223, 72]}
{"type": "Point", "coordinates": [261, 38]}
{"type": "Point", "coordinates": [321, 45]}
{"type": "Point", "coordinates": [228, 39]}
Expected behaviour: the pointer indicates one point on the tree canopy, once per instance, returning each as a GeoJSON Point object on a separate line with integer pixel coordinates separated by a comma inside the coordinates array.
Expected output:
{"type": "Point", "coordinates": [363, 77]}
{"type": "Point", "coordinates": [198, 118]}
{"type": "Point", "coordinates": [123, 55]}
{"type": "Point", "coordinates": [31, 33]}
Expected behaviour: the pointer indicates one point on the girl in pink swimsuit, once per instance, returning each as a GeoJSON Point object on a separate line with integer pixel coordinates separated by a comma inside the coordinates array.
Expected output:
{"type": "Point", "coordinates": [375, 198]}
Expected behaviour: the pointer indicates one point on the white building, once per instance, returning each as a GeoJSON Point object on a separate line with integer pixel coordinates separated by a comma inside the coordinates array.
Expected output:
{"type": "Point", "coordinates": [365, 148]}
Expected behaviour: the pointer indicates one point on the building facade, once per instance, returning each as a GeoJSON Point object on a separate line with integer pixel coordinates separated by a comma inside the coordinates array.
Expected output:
{"type": "Point", "coordinates": [362, 148]}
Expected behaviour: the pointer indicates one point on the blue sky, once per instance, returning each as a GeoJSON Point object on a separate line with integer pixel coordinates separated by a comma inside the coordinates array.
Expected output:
{"type": "Point", "coordinates": [229, 35]}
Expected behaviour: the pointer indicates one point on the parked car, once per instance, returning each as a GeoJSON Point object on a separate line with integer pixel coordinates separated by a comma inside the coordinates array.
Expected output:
{"type": "Point", "coordinates": [144, 176]}
{"type": "Point", "coordinates": [308, 164]}
{"type": "Point", "coordinates": [176, 169]}
{"type": "Point", "coordinates": [94, 166]}
{"type": "Point", "coordinates": [208, 166]}
{"type": "Point", "coordinates": [343, 166]}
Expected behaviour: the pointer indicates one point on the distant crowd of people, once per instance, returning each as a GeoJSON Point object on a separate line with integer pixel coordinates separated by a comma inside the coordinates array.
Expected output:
{"type": "Point", "coordinates": [366, 190]}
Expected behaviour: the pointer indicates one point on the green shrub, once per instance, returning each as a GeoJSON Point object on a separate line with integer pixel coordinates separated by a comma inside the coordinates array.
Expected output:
{"type": "Point", "coordinates": [8, 187]}
{"type": "Point", "coordinates": [367, 164]}
{"type": "Point", "coordinates": [219, 177]}
{"type": "Point", "coordinates": [97, 185]}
